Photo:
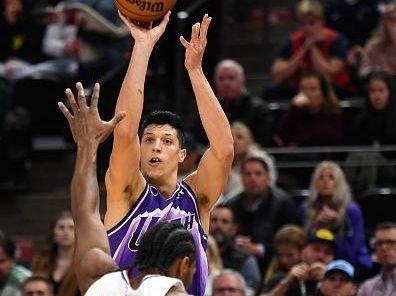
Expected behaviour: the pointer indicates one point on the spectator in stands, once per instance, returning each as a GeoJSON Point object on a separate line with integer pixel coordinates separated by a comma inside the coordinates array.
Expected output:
{"type": "Point", "coordinates": [37, 285]}
{"type": "Point", "coordinates": [376, 124]}
{"type": "Point", "coordinates": [260, 210]}
{"type": "Point", "coordinates": [192, 158]}
{"type": "Point", "coordinates": [11, 275]}
{"type": "Point", "coordinates": [215, 263]}
{"type": "Point", "coordinates": [287, 244]}
{"type": "Point", "coordinates": [379, 52]}
{"type": "Point", "coordinates": [55, 260]}
{"type": "Point", "coordinates": [229, 282]}
{"type": "Point", "coordinates": [303, 278]}
{"type": "Point", "coordinates": [314, 47]}
{"type": "Point", "coordinates": [20, 42]}
{"type": "Point", "coordinates": [314, 118]}
{"type": "Point", "coordinates": [385, 251]}
{"type": "Point", "coordinates": [330, 205]}
{"type": "Point", "coordinates": [238, 104]}
{"type": "Point", "coordinates": [338, 279]}
{"type": "Point", "coordinates": [244, 146]}
{"type": "Point", "coordinates": [223, 229]}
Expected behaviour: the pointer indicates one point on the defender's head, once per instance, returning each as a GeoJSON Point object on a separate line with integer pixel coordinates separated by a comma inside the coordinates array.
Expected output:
{"type": "Point", "coordinates": [162, 140]}
{"type": "Point", "coordinates": [170, 249]}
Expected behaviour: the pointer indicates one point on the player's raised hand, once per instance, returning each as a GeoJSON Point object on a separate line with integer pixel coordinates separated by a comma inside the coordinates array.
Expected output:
{"type": "Point", "coordinates": [195, 48]}
{"type": "Point", "coordinates": [146, 33]}
{"type": "Point", "coordinates": [85, 123]}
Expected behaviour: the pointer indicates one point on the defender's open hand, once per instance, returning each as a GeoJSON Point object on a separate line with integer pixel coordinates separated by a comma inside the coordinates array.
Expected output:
{"type": "Point", "coordinates": [85, 122]}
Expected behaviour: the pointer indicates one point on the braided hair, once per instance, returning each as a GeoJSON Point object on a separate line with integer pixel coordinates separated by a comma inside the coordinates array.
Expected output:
{"type": "Point", "coordinates": [162, 244]}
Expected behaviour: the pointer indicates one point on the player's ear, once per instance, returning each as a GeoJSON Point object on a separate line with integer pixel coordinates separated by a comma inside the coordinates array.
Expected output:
{"type": "Point", "coordinates": [182, 154]}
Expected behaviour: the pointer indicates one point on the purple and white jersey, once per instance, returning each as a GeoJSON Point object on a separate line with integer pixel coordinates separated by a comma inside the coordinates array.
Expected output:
{"type": "Point", "coordinates": [150, 208]}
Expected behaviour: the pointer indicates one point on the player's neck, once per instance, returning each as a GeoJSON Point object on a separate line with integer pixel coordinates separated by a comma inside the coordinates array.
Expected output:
{"type": "Point", "coordinates": [165, 187]}
{"type": "Point", "coordinates": [137, 281]}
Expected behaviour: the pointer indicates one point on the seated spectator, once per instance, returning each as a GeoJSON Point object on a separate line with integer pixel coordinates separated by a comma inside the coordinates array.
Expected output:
{"type": "Point", "coordinates": [330, 205]}
{"type": "Point", "coordinates": [303, 278]}
{"type": "Point", "coordinates": [260, 210]}
{"type": "Point", "coordinates": [192, 158]}
{"type": "Point", "coordinates": [379, 52]}
{"type": "Point", "coordinates": [238, 104]}
{"type": "Point", "coordinates": [12, 275]}
{"type": "Point", "coordinates": [287, 244]}
{"type": "Point", "coordinates": [37, 285]}
{"type": "Point", "coordinates": [385, 252]}
{"type": "Point", "coordinates": [215, 263]}
{"type": "Point", "coordinates": [229, 282]}
{"type": "Point", "coordinates": [338, 279]}
{"type": "Point", "coordinates": [223, 229]}
{"type": "Point", "coordinates": [55, 260]}
{"type": "Point", "coordinates": [314, 118]}
{"type": "Point", "coordinates": [375, 125]}
{"type": "Point", "coordinates": [244, 146]}
{"type": "Point", "coordinates": [314, 47]}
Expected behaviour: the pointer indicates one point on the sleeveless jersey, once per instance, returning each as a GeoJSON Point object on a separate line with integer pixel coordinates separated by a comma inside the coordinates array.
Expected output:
{"type": "Point", "coordinates": [117, 284]}
{"type": "Point", "coordinates": [150, 208]}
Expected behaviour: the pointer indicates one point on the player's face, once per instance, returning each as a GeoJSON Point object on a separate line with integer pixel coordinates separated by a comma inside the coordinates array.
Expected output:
{"type": "Point", "coordinates": [378, 94]}
{"type": "Point", "coordinates": [6, 264]}
{"type": "Point", "coordinates": [310, 86]}
{"type": "Point", "coordinates": [64, 232]}
{"type": "Point", "coordinates": [160, 152]}
{"type": "Point", "coordinates": [288, 256]}
{"type": "Point", "coordinates": [255, 178]}
{"type": "Point", "coordinates": [326, 184]}
{"type": "Point", "coordinates": [337, 284]}
{"type": "Point", "coordinates": [36, 288]}
{"type": "Point", "coordinates": [229, 83]}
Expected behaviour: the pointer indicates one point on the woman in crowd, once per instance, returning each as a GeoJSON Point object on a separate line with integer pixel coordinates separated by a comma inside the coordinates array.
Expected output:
{"type": "Point", "coordinates": [314, 118]}
{"type": "Point", "coordinates": [287, 244]}
{"type": "Point", "coordinates": [330, 206]}
{"type": "Point", "coordinates": [379, 52]}
{"type": "Point", "coordinates": [55, 260]}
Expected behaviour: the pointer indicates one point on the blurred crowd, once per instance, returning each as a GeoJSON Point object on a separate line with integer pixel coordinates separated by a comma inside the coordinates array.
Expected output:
{"type": "Point", "coordinates": [264, 239]}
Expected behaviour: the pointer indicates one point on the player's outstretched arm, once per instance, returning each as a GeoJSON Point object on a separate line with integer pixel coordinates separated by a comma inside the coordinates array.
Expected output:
{"type": "Point", "coordinates": [213, 169]}
{"type": "Point", "coordinates": [92, 254]}
{"type": "Point", "coordinates": [123, 179]}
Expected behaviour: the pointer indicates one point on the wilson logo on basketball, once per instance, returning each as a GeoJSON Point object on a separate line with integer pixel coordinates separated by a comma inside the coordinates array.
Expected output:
{"type": "Point", "coordinates": [147, 5]}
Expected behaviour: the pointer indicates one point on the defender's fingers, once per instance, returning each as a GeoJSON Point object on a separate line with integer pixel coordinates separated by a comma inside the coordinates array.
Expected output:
{"type": "Point", "coordinates": [72, 101]}
{"type": "Point", "coordinates": [195, 32]}
{"type": "Point", "coordinates": [95, 95]}
{"type": "Point", "coordinates": [204, 28]}
{"type": "Point", "coordinates": [117, 118]}
{"type": "Point", "coordinates": [65, 111]}
{"type": "Point", "coordinates": [82, 102]}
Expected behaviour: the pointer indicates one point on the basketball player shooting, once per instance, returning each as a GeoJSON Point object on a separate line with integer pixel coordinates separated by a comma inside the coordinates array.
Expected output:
{"type": "Point", "coordinates": [141, 180]}
{"type": "Point", "coordinates": [166, 256]}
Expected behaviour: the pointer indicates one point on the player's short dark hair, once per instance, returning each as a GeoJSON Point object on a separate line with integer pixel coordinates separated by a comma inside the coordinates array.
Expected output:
{"type": "Point", "coordinates": [162, 245]}
{"type": "Point", "coordinates": [7, 244]}
{"type": "Point", "coordinates": [38, 278]}
{"type": "Point", "coordinates": [164, 117]}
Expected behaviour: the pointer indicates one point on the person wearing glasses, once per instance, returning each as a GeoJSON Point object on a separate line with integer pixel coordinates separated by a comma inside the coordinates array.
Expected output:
{"type": "Point", "coordinates": [385, 250]}
{"type": "Point", "coordinates": [229, 282]}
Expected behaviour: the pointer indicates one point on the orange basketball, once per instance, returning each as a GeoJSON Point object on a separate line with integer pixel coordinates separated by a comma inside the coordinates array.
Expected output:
{"type": "Point", "coordinates": [144, 10]}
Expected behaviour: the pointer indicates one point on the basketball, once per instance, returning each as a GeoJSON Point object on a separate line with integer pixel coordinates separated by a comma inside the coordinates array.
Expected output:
{"type": "Point", "coordinates": [144, 10]}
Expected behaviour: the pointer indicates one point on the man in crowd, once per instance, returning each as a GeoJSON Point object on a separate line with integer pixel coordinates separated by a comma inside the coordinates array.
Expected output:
{"type": "Point", "coordinates": [229, 282]}
{"type": "Point", "coordinates": [260, 210]}
{"type": "Point", "coordinates": [238, 104]}
{"type": "Point", "coordinates": [314, 47]}
{"type": "Point", "coordinates": [11, 274]}
{"type": "Point", "coordinates": [385, 251]}
{"type": "Point", "coordinates": [37, 285]}
{"type": "Point", "coordinates": [338, 279]}
{"type": "Point", "coordinates": [303, 278]}
{"type": "Point", "coordinates": [223, 229]}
